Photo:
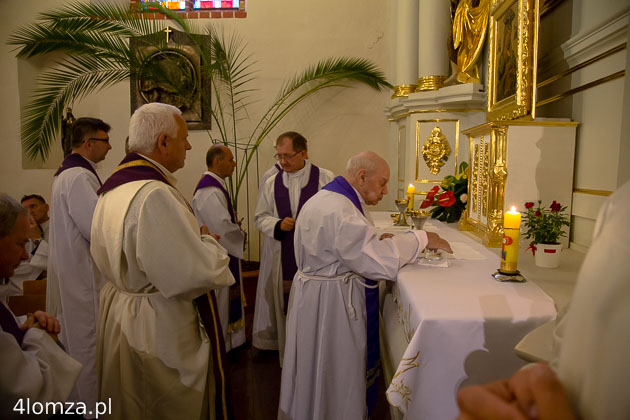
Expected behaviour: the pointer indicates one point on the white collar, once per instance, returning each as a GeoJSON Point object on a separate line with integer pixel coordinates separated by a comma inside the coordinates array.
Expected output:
{"type": "Point", "coordinates": [169, 175]}
{"type": "Point", "coordinates": [300, 172]}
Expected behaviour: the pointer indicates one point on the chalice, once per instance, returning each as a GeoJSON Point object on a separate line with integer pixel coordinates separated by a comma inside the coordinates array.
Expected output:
{"type": "Point", "coordinates": [418, 217]}
{"type": "Point", "coordinates": [402, 207]}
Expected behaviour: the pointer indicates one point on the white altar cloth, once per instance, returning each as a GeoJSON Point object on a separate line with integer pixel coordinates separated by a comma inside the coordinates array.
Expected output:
{"type": "Point", "coordinates": [460, 326]}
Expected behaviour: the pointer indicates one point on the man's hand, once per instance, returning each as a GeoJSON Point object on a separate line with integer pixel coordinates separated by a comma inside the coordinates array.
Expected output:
{"type": "Point", "coordinates": [44, 321]}
{"type": "Point", "coordinates": [287, 224]}
{"type": "Point", "coordinates": [531, 393]}
{"type": "Point", "coordinates": [435, 242]}
{"type": "Point", "coordinates": [205, 231]}
{"type": "Point", "coordinates": [33, 229]}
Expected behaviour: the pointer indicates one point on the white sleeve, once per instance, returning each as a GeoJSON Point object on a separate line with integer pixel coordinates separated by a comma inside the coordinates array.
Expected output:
{"type": "Point", "coordinates": [210, 209]}
{"type": "Point", "coordinates": [39, 370]}
{"type": "Point", "coordinates": [82, 201]}
{"type": "Point", "coordinates": [172, 254]}
{"type": "Point", "coordinates": [266, 217]}
{"type": "Point", "coordinates": [359, 248]}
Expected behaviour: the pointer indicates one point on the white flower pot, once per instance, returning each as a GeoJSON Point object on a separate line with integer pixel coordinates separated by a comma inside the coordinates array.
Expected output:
{"type": "Point", "coordinates": [548, 255]}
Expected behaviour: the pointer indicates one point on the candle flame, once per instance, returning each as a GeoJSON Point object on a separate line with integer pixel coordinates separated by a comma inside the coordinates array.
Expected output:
{"type": "Point", "coordinates": [513, 209]}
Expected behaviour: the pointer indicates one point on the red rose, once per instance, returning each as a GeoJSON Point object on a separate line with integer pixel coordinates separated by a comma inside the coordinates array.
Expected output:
{"type": "Point", "coordinates": [427, 202]}
{"type": "Point", "coordinates": [538, 213]}
{"type": "Point", "coordinates": [446, 199]}
{"type": "Point", "coordinates": [529, 204]}
{"type": "Point", "coordinates": [555, 206]}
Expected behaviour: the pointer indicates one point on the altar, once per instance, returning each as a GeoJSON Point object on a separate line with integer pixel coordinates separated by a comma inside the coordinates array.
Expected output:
{"type": "Point", "coordinates": [444, 328]}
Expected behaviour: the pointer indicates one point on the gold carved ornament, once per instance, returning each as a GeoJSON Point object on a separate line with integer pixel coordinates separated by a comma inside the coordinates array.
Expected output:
{"type": "Point", "coordinates": [469, 32]}
{"type": "Point", "coordinates": [436, 150]}
{"type": "Point", "coordinates": [485, 186]}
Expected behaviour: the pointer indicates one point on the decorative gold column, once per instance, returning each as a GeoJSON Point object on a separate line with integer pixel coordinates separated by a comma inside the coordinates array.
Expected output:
{"type": "Point", "coordinates": [434, 24]}
{"type": "Point", "coordinates": [486, 182]}
{"type": "Point", "coordinates": [406, 64]}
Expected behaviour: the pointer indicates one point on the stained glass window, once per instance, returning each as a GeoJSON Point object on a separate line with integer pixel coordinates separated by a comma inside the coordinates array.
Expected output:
{"type": "Point", "coordinates": [216, 4]}
{"type": "Point", "coordinates": [190, 5]}
{"type": "Point", "coordinates": [173, 5]}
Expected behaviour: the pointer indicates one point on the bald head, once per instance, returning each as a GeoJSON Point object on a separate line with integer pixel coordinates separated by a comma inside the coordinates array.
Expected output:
{"type": "Point", "coordinates": [220, 160]}
{"type": "Point", "coordinates": [368, 173]}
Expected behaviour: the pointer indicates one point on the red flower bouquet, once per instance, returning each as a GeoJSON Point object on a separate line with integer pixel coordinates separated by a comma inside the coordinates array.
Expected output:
{"type": "Point", "coordinates": [451, 202]}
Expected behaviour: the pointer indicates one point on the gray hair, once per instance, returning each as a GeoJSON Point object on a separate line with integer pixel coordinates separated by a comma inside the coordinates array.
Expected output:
{"type": "Point", "coordinates": [10, 209]}
{"type": "Point", "coordinates": [366, 160]}
{"type": "Point", "coordinates": [148, 123]}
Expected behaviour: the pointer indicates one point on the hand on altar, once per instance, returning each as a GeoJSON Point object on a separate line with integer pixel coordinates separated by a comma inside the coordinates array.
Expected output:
{"type": "Point", "coordinates": [43, 321]}
{"type": "Point", "coordinates": [435, 243]}
{"type": "Point", "coordinates": [533, 392]}
{"type": "Point", "coordinates": [287, 224]}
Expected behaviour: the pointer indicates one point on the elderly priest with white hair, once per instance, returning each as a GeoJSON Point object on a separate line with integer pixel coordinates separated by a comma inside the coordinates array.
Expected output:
{"type": "Point", "coordinates": [331, 359]}
{"type": "Point", "coordinates": [161, 351]}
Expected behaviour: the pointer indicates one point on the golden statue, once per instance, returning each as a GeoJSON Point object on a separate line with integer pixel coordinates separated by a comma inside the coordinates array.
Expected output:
{"type": "Point", "coordinates": [469, 32]}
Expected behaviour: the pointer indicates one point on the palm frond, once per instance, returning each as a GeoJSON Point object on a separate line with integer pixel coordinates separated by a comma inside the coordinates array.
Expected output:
{"type": "Point", "coordinates": [94, 37]}
{"type": "Point", "coordinates": [330, 72]}
{"type": "Point", "coordinates": [73, 80]}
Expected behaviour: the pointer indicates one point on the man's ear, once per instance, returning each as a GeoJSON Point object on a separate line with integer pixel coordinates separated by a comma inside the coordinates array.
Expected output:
{"type": "Point", "coordinates": [362, 176]}
{"type": "Point", "coordinates": [162, 142]}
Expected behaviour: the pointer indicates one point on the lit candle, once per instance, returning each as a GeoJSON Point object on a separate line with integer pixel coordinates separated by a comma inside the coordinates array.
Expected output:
{"type": "Point", "coordinates": [509, 250]}
{"type": "Point", "coordinates": [411, 189]}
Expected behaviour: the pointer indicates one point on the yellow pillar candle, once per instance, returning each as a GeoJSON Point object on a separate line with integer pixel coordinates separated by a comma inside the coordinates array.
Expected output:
{"type": "Point", "coordinates": [411, 189]}
{"type": "Point", "coordinates": [509, 250]}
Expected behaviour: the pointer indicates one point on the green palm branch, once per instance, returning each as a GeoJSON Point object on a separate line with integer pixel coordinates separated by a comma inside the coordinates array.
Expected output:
{"type": "Point", "coordinates": [94, 38]}
{"type": "Point", "coordinates": [95, 41]}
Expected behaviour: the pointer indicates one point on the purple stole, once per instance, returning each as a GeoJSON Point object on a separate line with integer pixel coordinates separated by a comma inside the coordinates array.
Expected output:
{"type": "Point", "coordinates": [10, 325]}
{"type": "Point", "coordinates": [283, 205]}
{"type": "Point", "coordinates": [235, 312]}
{"type": "Point", "coordinates": [135, 167]}
{"type": "Point", "coordinates": [75, 160]}
{"type": "Point", "coordinates": [339, 185]}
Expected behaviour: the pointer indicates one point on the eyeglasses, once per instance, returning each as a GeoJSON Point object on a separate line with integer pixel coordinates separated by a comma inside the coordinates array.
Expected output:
{"type": "Point", "coordinates": [95, 139]}
{"type": "Point", "coordinates": [286, 157]}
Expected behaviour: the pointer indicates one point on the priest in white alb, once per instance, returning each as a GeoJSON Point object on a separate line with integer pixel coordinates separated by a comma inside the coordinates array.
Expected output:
{"type": "Point", "coordinates": [161, 352]}
{"type": "Point", "coordinates": [213, 207]}
{"type": "Point", "coordinates": [73, 284]}
{"type": "Point", "coordinates": [331, 358]}
{"type": "Point", "coordinates": [278, 207]}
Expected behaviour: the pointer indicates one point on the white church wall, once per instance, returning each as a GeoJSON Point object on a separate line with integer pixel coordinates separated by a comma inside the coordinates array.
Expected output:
{"type": "Point", "coordinates": [283, 39]}
{"type": "Point", "coordinates": [597, 27]}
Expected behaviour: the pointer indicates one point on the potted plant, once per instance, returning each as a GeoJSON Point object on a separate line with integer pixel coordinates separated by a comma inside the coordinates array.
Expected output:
{"type": "Point", "coordinates": [545, 226]}
{"type": "Point", "coordinates": [449, 204]}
